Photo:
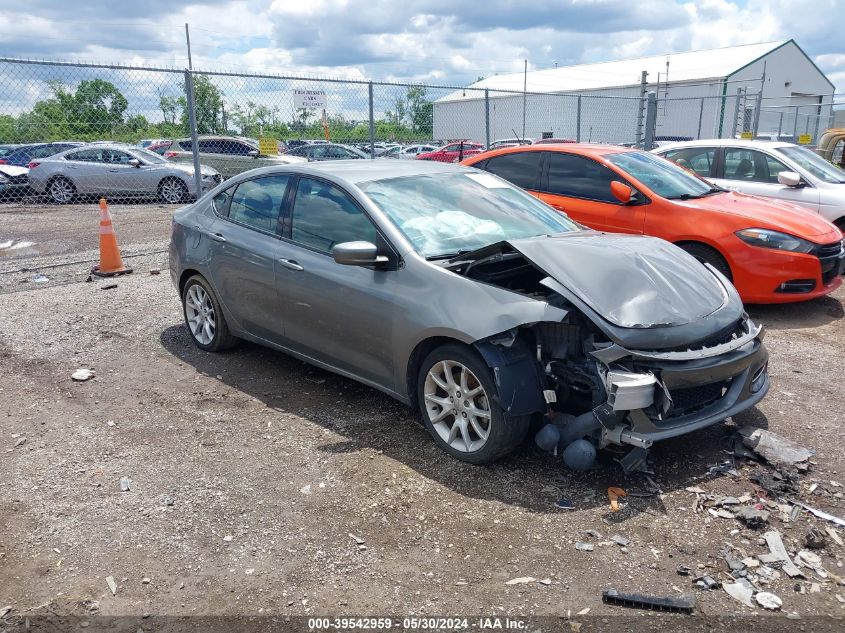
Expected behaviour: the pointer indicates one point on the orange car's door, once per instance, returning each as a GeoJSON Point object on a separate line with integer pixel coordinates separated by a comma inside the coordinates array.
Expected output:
{"type": "Point", "coordinates": [580, 187]}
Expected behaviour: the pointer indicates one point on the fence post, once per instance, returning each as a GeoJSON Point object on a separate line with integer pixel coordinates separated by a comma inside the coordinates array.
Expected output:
{"type": "Point", "coordinates": [795, 126]}
{"type": "Point", "coordinates": [780, 125]}
{"type": "Point", "coordinates": [737, 113]}
{"type": "Point", "coordinates": [578, 121]}
{"type": "Point", "coordinates": [650, 121]}
{"type": "Point", "coordinates": [487, 117]}
{"type": "Point", "coordinates": [372, 122]}
{"type": "Point", "coordinates": [757, 111]}
{"type": "Point", "coordinates": [641, 110]}
{"type": "Point", "coordinates": [700, 118]}
{"type": "Point", "coordinates": [192, 121]}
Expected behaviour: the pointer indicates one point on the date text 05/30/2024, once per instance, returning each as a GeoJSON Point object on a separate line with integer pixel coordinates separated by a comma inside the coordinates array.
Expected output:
{"type": "Point", "coordinates": [417, 623]}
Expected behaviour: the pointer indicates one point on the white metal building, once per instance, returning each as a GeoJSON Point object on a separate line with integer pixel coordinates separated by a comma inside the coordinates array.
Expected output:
{"type": "Point", "coordinates": [701, 94]}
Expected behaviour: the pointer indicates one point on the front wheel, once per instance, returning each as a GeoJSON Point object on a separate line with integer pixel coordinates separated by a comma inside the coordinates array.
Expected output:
{"type": "Point", "coordinates": [709, 255]}
{"type": "Point", "coordinates": [457, 397]}
{"type": "Point", "coordinates": [204, 316]}
{"type": "Point", "coordinates": [61, 190]}
{"type": "Point", "coordinates": [172, 190]}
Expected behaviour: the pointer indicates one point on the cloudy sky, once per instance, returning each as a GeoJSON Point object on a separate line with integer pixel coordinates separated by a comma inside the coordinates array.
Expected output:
{"type": "Point", "coordinates": [440, 41]}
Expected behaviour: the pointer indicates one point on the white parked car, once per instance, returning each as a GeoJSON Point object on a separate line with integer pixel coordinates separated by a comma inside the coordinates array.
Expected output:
{"type": "Point", "coordinates": [774, 169]}
{"type": "Point", "coordinates": [409, 151]}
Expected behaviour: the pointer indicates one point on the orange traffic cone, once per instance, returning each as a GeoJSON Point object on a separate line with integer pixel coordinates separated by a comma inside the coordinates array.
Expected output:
{"type": "Point", "coordinates": [110, 261]}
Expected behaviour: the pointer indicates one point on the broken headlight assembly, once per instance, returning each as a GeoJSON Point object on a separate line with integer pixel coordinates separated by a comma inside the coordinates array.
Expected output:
{"type": "Point", "coordinates": [766, 238]}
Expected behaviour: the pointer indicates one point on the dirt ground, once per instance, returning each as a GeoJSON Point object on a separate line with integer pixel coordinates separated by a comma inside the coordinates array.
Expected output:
{"type": "Point", "coordinates": [262, 486]}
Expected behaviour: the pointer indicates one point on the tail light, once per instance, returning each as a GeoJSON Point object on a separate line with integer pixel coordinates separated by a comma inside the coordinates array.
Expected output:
{"type": "Point", "coordinates": [2, 161]}
{"type": "Point", "coordinates": [170, 154]}
{"type": "Point", "coordinates": [33, 165]}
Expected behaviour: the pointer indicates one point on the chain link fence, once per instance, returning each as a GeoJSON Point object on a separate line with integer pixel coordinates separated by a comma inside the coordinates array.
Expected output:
{"type": "Point", "coordinates": [70, 130]}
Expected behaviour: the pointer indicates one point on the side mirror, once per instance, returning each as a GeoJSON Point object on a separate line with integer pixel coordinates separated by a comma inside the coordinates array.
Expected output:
{"type": "Point", "coordinates": [357, 254]}
{"type": "Point", "coordinates": [134, 162]}
{"type": "Point", "coordinates": [254, 153]}
{"type": "Point", "coordinates": [789, 178]}
{"type": "Point", "coordinates": [621, 192]}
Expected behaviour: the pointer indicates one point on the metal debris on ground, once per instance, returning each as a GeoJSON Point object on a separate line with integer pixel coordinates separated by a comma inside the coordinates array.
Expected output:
{"type": "Point", "coordinates": [721, 513]}
{"type": "Point", "coordinates": [584, 547]}
{"type": "Point", "coordinates": [820, 514]}
{"type": "Point", "coordinates": [774, 448]}
{"type": "Point", "coordinates": [620, 540]}
{"type": "Point", "coordinates": [613, 494]}
{"type": "Point", "coordinates": [834, 535]}
{"type": "Point", "coordinates": [768, 600]}
{"type": "Point", "coordinates": [40, 279]}
{"type": "Point", "coordinates": [112, 584]}
{"type": "Point", "coordinates": [671, 604]}
{"type": "Point", "coordinates": [752, 517]}
{"type": "Point", "coordinates": [707, 582]}
{"type": "Point", "coordinates": [155, 271]}
{"type": "Point", "coordinates": [358, 540]}
{"type": "Point", "coordinates": [741, 590]}
{"type": "Point", "coordinates": [782, 481]}
{"type": "Point", "coordinates": [522, 580]}
{"type": "Point", "coordinates": [108, 287]}
{"type": "Point", "coordinates": [814, 539]}
{"type": "Point", "coordinates": [124, 484]}
{"type": "Point", "coordinates": [683, 570]}
{"type": "Point", "coordinates": [82, 374]}
{"type": "Point", "coordinates": [593, 533]}
{"type": "Point", "coordinates": [775, 543]}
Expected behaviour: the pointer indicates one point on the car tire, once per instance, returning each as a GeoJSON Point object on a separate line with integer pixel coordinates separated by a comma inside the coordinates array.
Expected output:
{"type": "Point", "coordinates": [476, 439]}
{"type": "Point", "coordinates": [61, 190]}
{"type": "Point", "coordinates": [709, 255]}
{"type": "Point", "coordinates": [172, 190]}
{"type": "Point", "coordinates": [204, 317]}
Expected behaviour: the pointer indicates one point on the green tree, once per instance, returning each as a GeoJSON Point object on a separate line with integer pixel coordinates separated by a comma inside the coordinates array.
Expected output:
{"type": "Point", "coordinates": [208, 104]}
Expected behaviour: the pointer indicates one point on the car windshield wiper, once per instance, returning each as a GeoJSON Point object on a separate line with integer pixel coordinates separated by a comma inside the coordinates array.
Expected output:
{"type": "Point", "coordinates": [686, 196]}
{"type": "Point", "coordinates": [464, 251]}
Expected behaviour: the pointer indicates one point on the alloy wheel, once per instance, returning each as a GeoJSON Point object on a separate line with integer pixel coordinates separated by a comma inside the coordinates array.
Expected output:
{"type": "Point", "coordinates": [172, 191]}
{"type": "Point", "coordinates": [457, 406]}
{"type": "Point", "coordinates": [62, 190]}
{"type": "Point", "coordinates": [199, 312]}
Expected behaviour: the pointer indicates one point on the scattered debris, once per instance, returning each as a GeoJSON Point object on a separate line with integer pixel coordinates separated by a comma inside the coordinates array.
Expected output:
{"type": "Point", "coordinates": [250, 571]}
{"type": "Point", "coordinates": [695, 490]}
{"type": "Point", "coordinates": [584, 547]}
{"type": "Point", "coordinates": [124, 484]}
{"type": "Point", "coordinates": [564, 504]}
{"type": "Point", "coordinates": [108, 287]}
{"type": "Point", "coordinates": [671, 604]}
{"type": "Point", "coordinates": [306, 489]}
{"type": "Point", "coordinates": [593, 533]}
{"type": "Point", "coordinates": [358, 540]}
{"type": "Point", "coordinates": [82, 374]}
{"type": "Point", "coordinates": [112, 585]}
{"type": "Point", "coordinates": [19, 442]}
{"type": "Point", "coordinates": [820, 514]}
{"type": "Point", "coordinates": [584, 611]}
{"type": "Point", "coordinates": [545, 581]}
{"type": "Point", "coordinates": [145, 581]}
{"type": "Point", "coordinates": [840, 598]}
{"type": "Point", "coordinates": [721, 513]}
{"type": "Point", "coordinates": [768, 600]}
{"type": "Point", "coordinates": [752, 517]}
{"type": "Point", "coordinates": [4, 611]}
{"type": "Point", "coordinates": [227, 538]}
{"type": "Point", "coordinates": [814, 539]}
{"type": "Point", "coordinates": [620, 540]}
{"type": "Point", "coordinates": [812, 561]}
{"type": "Point", "coordinates": [707, 582]}
{"type": "Point", "coordinates": [522, 580]}
{"type": "Point", "coordinates": [683, 570]}
{"type": "Point", "coordinates": [834, 535]}
{"type": "Point", "coordinates": [155, 271]}
{"type": "Point", "coordinates": [751, 562]}
{"type": "Point", "coordinates": [774, 448]}
{"type": "Point", "coordinates": [40, 279]}
{"type": "Point", "coordinates": [613, 494]}
{"type": "Point", "coordinates": [741, 590]}
{"type": "Point", "coordinates": [783, 481]}
{"type": "Point", "coordinates": [775, 543]}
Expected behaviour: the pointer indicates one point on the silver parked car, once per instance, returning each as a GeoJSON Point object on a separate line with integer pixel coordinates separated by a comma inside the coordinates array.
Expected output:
{"type": "Point", "coordinates": [774, 169]}
{"type": "Point", "coordinates": [460, 294]}
{"type": "Point", "coordinates": [116, 169]}
{"type": "Point", "coordinates": [230, 155]}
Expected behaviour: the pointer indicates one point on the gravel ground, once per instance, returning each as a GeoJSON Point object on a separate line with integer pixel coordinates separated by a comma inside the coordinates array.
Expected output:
{"type": "Point", "coordinates": [261, 485]}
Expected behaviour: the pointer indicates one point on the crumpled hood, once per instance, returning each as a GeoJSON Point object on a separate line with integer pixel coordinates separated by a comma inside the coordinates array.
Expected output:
{"type": "Point", "coordinates": [189, 169]}
{"type": "Point", "coordinates": [13, 171]}
{"type": "Point", "coordinates": [766, 213]}
{"type": "Point", "coordinates": [632, 281]}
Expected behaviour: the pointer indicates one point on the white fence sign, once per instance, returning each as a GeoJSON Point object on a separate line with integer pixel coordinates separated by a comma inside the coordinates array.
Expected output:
{"type": "Point", "coordinates": [310, 99]}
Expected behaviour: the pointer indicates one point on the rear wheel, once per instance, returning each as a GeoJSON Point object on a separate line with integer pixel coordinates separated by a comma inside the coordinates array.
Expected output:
{"type": "Point", "coordinates": [708, 255]}
{"type": "Point", "coordinates": [172, 190]}
{"type": "Point", "coordinates": [61, 190]}
{"type": "Point", "coordinates": [457, 397]}
{"type": "Point", "coordinates": [204, 317]}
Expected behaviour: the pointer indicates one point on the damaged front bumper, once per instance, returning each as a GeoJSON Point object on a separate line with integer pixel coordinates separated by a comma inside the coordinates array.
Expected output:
{"type": "Point", "coordinates": [686, 395]}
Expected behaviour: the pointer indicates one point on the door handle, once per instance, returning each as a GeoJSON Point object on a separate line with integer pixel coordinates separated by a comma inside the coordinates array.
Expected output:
{"type": "Point", "coordinates": [290, 264]}
{"type": "Point", "coordinates": [218, 237]}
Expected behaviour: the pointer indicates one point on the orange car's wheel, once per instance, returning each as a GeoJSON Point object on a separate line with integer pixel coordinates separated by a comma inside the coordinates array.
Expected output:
{"type": "Point", "coordinates": [708, 255]}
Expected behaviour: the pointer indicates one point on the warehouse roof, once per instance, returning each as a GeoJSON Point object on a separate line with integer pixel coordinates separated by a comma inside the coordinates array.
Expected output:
{"type": "Point", "coordinates": [716, 63]}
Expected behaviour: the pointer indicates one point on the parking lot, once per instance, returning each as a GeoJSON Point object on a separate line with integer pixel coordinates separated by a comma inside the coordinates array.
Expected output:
{"type": "Point", "coordinates": [261, 485]}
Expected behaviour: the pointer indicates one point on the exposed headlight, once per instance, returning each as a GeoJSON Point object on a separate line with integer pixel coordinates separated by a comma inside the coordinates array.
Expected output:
{"type": "Point", "coordinates": [765, 238]}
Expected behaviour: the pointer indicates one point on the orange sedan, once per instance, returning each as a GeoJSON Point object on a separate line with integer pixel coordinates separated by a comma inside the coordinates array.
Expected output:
{"type": "Point", "coordinates": [774, 252]}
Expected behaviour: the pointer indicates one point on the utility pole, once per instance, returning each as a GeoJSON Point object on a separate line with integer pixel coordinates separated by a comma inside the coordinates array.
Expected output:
{"type": "Point", "coordinates": [188, 42]}
{"type": "Point", "coordinates": [759, 108]}
{"type": "Point", "coordinates": [524, 96]}
{"type": "Point", "coordinates": [641, 114]}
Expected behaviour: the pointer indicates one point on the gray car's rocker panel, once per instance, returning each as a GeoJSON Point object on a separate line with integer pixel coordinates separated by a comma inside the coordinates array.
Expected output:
{"type": "Point", "coordinates": [442, 275]}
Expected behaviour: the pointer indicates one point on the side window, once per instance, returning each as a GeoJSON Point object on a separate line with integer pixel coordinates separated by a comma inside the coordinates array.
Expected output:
{"type": "Point", "coordinates": [579, 177]}
{"type": "Point", "coordinates": [520, 168]}
{"type": "Point", "coordinates": [698, 159]}
{"type": "Point", "coordinates": [739, 164]}
{"type": "Point", "coordinates": [323, 216]}
{"type": "Point", "coordinates": [45, 151]}
{"type": "Point", "coordinates": [772, 167]}
{"type": "Point", "coordinates": [234, 148]}
{"type": "Point", "coordinates": [221, 202]}
{"type": "Point", "coordinates": [209, 146]}
{"type": "Point", "coordinates": [454, 147]}
{"type": "Point", "coordinates": [115, 157]}
{"type": "Point", "coordinates": [257, 203]}
{"type": "Point", "coordinates": [86, 155]}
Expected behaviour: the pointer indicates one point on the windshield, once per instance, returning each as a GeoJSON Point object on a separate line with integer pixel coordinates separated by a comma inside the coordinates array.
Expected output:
{"type": "Point", "coordinates": [813, 163]}
{"type": "Point", "coordinates": [664, 178]}
{"type": "Point", "coordinates": [148, 156]}
{"type": "Point", "coordinates": [447, 214]}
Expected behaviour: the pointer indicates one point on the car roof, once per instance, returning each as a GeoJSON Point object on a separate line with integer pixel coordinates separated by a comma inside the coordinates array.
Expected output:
{"type": "Point", "coordinates": [728, 142]}
{"type": "Point", "coordinates": [584, 149]}
{"type": "Point", "coordinates": [358, 171]}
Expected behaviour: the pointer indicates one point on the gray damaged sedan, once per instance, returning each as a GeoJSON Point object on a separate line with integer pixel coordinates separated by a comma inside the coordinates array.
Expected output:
{"type": "Point", "coordinates": [463, 296]}
{"type": "Point", "coordinates": [116, 169]}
